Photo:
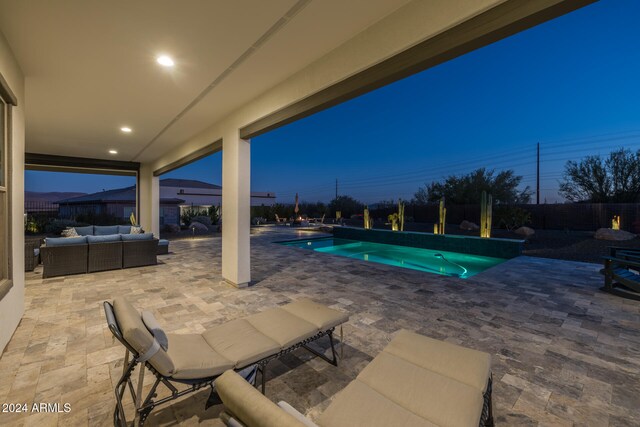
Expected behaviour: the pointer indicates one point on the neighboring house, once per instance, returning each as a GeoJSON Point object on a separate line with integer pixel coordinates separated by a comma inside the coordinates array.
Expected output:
{"type": "Point", "coordinates": [120, 202]}
{"type": "Point", "coordinates": [201, 195]}
{"type": "Point", "coordinates": [176, 195]}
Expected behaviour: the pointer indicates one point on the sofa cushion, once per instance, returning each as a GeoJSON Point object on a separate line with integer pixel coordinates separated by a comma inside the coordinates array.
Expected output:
{"type": "Point", "coordinates": [163, 242]}
{"type": "Point", "coordinates": [104, 239]}
{"type": "Point", "coordinates": [104, 230]}
{"type": "Point", "coordinates": [65, 241]}
{"type": "Point", "coordinates": [124, 229]}
{"type": "Point", "coordinates": [468, 366]}
{"type": "Point", "coordinates": [84, 231]}
{"type": "Point", "coordinates": [143, 236]}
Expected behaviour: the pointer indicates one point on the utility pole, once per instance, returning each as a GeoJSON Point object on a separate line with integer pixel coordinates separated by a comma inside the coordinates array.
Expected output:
{"type": "Point", "coordinates": [538, 175]}
{"type": "Point", "coordinates": [336, 188]}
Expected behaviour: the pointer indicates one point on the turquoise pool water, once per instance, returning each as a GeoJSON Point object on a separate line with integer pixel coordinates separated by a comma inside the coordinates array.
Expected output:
{"type": "Point", "coordinates": [439, 262]}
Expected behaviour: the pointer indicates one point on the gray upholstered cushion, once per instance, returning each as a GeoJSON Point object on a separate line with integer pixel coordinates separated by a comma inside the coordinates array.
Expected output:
{"type": "Point", "coordinates": [468, 366]}
{"type": "Point", "coordinates": [65, 241]}
{"type": "Point", "coordinates": [84, 231]}
{"type": "Point", "coordinates": [136, 334]}
{"type": "Point", "coordinates": [103, 239]}
{"type": "Point", "coordinates": [104, 230]}
{"type": "Point", "coordinates": [319, 315]}
{"type": "Point", "coordinates": [124, 229]}
{"type": "Point", "coordinates": [282, 327]}
{"type": "Point", "coordinates": [154, 327]}
{"type": "Point", "coordinates": [240, 342]}
{"type": "Point", "coordinates": [143, 236]}
{"type": "Point", "coordinates": [247, 404]}
{"type": "Point", "coordinates": [194, 358]}
{"type": "Point", "coordinates": [163, 242]}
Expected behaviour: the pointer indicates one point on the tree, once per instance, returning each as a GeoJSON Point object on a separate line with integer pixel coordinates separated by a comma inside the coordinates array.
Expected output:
{"type": "Point", "coordinates": [467, 189]}
{"type": "Point", "coordinates": [594, 179]}
{"type": "Point", "coordinates": [347, 205]}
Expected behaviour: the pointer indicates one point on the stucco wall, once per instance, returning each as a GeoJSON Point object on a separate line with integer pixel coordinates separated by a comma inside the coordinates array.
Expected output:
{"type": "Point", "coordinates": [12, 305]}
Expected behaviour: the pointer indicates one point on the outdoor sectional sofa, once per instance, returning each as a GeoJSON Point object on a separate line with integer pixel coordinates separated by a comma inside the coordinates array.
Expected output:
{"type": "Point", "coordinates": [415, 381]}
{"type": "Point", "coordinates": [98, 248]}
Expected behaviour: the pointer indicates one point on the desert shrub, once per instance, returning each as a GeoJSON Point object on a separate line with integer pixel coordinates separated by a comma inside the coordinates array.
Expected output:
{"type": "Point", "coordinates": [214, 214]}
{"type": "Point", "coordinates": [57, 225]}
{"type": "Point", "coordinates": [188, 215]}
{"type": "Point", "coordinates": [511, 217]}
{"type": "Point", "coordinates": [101, 219]}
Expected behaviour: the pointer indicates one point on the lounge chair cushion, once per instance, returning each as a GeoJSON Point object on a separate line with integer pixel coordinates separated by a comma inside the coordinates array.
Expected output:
{"type": "Point", "coordinates": [240, 342]}
{"type": "Point", "coordinates": [448, 403]}
{"type": "Point", "coordinates": [282, 327]}
{"type": "Point", "coordinates": [156, 330]}
{"type": "Point", "coordinates": [358, 405]}
{"type": "Point", "coordinates": [136, 334]}
{"type": "Point", "coordinates": [193, 358]}
{"type": "Point", "coordinates": [246, 403]}
{"type": "Point", "coordinates": [319, 315]}
{"type": "Point", "coordinates": [466, 365]}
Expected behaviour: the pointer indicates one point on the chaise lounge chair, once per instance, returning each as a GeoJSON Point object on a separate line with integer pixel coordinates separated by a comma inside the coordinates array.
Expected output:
{"type": "Point", "coordinates": [196, 360]}
{"type": "Point", "coordinates": [415, 381]}
{"type": "Point", "coordinates": [622, 272]}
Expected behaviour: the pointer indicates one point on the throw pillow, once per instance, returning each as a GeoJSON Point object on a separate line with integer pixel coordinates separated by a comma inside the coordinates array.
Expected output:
{"type": "Point", "coordinates": [69, 232]}
{"type": "Point", "coordinates": [136, 230]}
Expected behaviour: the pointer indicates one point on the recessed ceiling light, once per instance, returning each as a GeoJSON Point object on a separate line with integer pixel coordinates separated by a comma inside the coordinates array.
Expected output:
{"type": "Point", "coordinates": [113, 151]}
{"type": "Point", "coordinates": [125, 129]}
{"type": "Point", "coordinates": [165, 61]}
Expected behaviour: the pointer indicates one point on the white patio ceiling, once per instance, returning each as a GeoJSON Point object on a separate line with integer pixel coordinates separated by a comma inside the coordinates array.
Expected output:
{"type": "Point", "coordinates": [90, 65]}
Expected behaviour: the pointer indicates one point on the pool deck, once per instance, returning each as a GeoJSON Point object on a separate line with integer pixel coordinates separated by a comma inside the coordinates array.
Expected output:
{"type": "Point", "coordinates": [564, 353]}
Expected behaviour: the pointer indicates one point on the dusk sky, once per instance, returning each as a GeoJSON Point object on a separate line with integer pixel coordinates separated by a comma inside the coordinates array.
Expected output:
{"type": "Point", "coordinates": [570, 84]}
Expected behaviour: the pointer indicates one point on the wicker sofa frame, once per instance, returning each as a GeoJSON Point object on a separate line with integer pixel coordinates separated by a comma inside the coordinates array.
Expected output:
{"type": "Point", "coordinates": [64, 260]}
{"type": "Point", "coordinates": [145, 404]}
{"type": "Point", "coordinates": [93, 257]}
{"type": "Point", "coordinates": [104, 256]}
{"type": "Point", "coordinates": [138, 253]}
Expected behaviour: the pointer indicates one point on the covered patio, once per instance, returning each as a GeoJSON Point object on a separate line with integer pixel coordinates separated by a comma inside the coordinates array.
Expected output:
{"type": "Point", "coordinates": [564, 353]}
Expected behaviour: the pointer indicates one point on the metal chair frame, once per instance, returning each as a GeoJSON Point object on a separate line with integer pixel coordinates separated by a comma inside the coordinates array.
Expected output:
{"type": "Point", "coordinates": [145, 405]}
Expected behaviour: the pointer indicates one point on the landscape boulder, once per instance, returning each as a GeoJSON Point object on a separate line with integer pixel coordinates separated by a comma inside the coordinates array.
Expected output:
{"type": "Point", "coordinates": [469, 226]}
{"type": "Point", "coordinates": [200, 227]}
{"type": "Point", "coordinates": [172, 228]}
{"type": "Point", "coordinates": [526, 232]}
{"type": "Point", "coordinates": [611, 234]}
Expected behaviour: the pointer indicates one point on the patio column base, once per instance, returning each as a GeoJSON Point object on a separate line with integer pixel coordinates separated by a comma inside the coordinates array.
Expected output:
{"type": "Point", "coordinates": [235, 285]}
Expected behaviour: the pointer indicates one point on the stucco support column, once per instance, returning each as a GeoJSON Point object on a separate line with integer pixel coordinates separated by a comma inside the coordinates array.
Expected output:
{"type": "Point", "coordinates": [236, 204]}
{"type": "Point", "coordinates": [149, 200]}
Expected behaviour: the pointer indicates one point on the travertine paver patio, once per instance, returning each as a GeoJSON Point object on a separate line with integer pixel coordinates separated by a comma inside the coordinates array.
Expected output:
{"type": "Point", "coordinates": [564, 353]}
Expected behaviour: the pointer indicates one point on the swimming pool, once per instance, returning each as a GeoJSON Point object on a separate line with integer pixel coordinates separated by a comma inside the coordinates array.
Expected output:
{"type": "Point", "coordinates": [432, 261]}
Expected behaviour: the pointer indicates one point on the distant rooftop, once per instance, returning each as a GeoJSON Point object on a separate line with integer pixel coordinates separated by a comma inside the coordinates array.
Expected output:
{"type": "Point", "coordinates": [187, 183]}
